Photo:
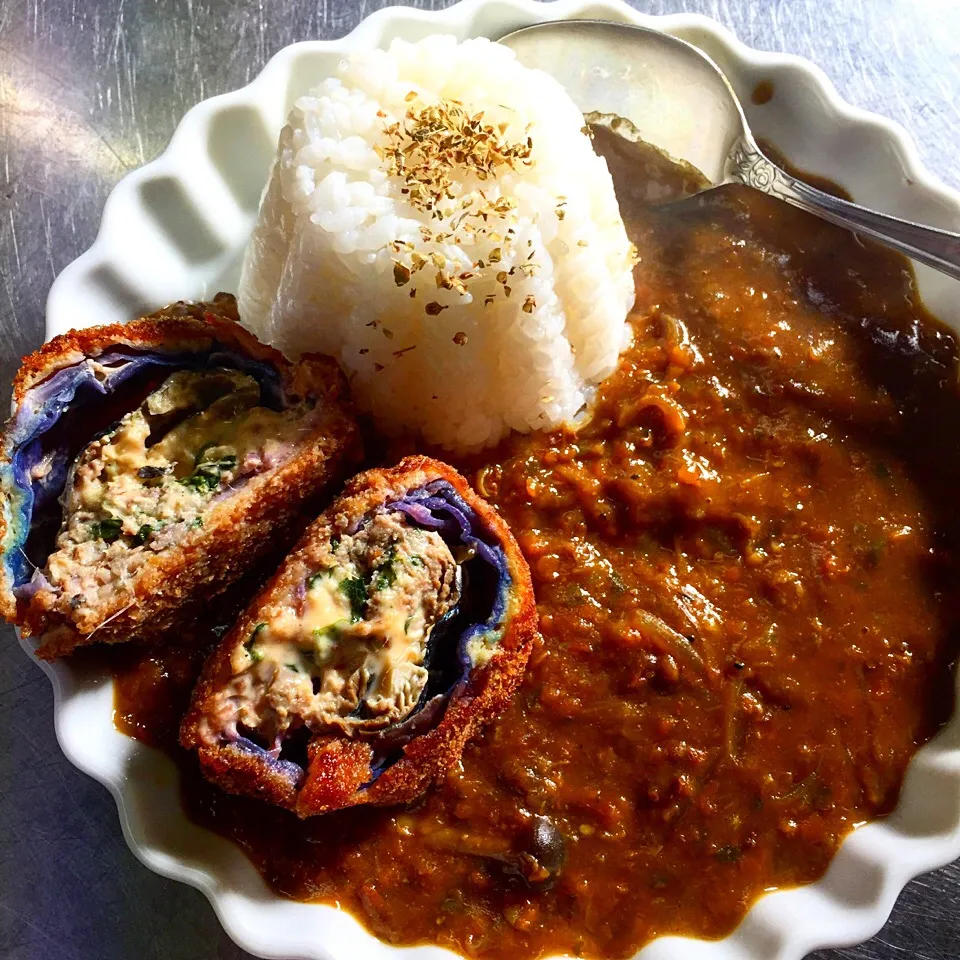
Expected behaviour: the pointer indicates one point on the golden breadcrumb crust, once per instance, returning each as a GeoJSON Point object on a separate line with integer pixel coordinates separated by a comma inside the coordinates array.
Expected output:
{"type": "Point", "coordinates": [339, 766]}
{"type": "Point", "coordinates": [179, 328]}
{"type": "Point", "coordinates": [238, 530]}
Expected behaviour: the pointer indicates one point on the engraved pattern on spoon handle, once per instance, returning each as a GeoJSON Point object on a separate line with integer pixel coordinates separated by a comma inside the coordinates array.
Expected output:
{"type": "Point", "coordinates": [939, 249]}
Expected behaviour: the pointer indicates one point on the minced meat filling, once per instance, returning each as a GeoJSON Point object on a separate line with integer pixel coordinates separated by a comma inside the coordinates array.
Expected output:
{"type": "Point", "coordinates": [149, 481]}
{"type": "Point", "coordinates": [348, 648]}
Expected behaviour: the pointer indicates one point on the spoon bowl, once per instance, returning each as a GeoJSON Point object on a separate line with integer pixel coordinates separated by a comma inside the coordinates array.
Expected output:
{"type": "Point", "coordinates": [680, 102]}
{"type": "Point", "coordinates": [668, 89]}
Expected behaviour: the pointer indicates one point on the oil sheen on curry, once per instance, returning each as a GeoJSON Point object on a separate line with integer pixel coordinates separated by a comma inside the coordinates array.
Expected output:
{"type": "Point", "coordinates": [745, 570]}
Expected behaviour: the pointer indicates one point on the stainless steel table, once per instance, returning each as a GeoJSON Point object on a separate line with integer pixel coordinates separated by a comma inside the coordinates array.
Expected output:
{"type": "Point", "coordinates": [89, 90]}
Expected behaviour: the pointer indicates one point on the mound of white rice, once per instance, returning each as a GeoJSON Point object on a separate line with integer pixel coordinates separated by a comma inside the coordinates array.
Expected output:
{"type": "Point", "coordinates": [437, 220]}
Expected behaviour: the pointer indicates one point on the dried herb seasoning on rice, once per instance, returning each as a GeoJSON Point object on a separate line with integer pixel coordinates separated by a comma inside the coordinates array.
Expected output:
{"type": "Point", "coordinates": [452, 191]}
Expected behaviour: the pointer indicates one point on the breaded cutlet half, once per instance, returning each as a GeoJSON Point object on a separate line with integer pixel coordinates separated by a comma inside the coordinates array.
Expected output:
{"type": "Point", "coordinates": [340, 770]}
{"type": "Point", "coordinates": [236, 531]}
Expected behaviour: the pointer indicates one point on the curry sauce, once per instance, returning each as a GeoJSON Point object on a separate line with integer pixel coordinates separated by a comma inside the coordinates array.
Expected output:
{"type": "Point", "coordinates": [746, 572]}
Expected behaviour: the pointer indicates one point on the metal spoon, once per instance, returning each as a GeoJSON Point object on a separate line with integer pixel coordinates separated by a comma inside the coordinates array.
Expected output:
{"type": "Point", "coordinates": [681, 102]}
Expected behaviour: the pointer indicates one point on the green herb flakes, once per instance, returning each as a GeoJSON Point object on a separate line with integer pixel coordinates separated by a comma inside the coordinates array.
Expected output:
{"type": "Point", "coordinates": [386, 572]}
{"type": "Point", "coordinates": [202, 481]}
{"type": "Point", "coordinates": [355, 590]}
{"type": "Point", "coordinates": [208, 474]}
{"type": "Point", "coordinates": [143, 535]}
{"type": "Point", "coordinates": [255, 654]}
{"type": "Point", "coordinates": [331, 631]}
{"type": "Point", "coordinates": [107, 530]}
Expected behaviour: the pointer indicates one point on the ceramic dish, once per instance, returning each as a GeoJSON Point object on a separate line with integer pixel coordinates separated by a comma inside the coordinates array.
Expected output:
{"type": "Point", "coordinates": [175, 229]}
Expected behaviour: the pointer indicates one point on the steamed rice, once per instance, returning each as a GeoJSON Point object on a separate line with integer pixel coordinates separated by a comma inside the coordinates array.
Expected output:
{"type": "Point", "coordinates": [437, 220]}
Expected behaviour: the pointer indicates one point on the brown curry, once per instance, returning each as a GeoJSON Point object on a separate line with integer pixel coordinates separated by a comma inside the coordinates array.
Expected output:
{"type": "Point", "coordinates": [746, 572]}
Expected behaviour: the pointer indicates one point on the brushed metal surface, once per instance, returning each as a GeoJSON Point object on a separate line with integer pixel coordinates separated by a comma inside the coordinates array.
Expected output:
{"type": "Point", "coordinates": [91, 89]}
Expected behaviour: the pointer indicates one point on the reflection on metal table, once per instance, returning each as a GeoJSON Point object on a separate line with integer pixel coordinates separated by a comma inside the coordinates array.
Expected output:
{"type": "Point", "coordinates": [89, 90]}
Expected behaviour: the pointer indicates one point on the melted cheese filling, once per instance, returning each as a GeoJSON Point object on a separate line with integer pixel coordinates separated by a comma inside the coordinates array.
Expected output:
{"type": "Point", "coordinates": [348, 650]}
{"type": "Point", "coordinates": [145, 484]}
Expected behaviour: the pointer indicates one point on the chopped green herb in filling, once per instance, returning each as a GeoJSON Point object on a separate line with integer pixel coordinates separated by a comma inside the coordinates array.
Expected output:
{"type": "Point", "coordinates": [143, 535]}
{"type": "Point", "coordinates": [355, 590]}
{"type": "Point", "coordinates": [386, 573]}
{"type": "Point", "coordinates": [255, 654]}
{"type": "Point", "coordinates": [332, 631]}
{"type": "Point", "coordinates": [207, 476]}
{"type": "Point", "coordinates": [107, 529]}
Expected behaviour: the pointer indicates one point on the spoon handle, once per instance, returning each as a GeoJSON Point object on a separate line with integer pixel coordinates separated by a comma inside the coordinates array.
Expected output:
{"type": "Point", "coordinates": [939, 249]}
